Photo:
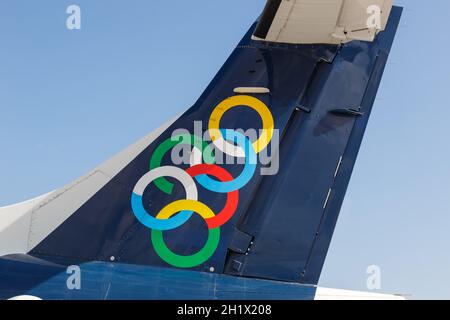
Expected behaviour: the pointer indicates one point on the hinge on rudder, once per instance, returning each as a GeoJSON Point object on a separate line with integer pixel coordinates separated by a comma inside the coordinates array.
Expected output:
{"type": "Point", "coordinates": [241, 242]}
{"type": "Point", "coordinates": [349, 112]}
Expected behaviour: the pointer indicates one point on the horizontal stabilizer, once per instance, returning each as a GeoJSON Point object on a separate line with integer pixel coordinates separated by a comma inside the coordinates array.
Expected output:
{"type": "Point", "coordinates": [322, 21]}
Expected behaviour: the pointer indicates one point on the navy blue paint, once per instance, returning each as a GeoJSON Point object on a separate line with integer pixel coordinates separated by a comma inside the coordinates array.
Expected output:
{"type": "Point", "coordinates": [329, 219]}
{"type": "Point", "coordinates": [108, 281]}
{"type": "Point", "coordinates": [283, 214]}
{"type": "Point", "coordinates": [291, 229]}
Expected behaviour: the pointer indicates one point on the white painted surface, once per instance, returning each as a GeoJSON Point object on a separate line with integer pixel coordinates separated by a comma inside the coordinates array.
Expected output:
{"type": "Point", "coordinates": [247, 90]}
{"type": "Point", "coordinates": [337, 294]}
{"type": "Point", "coordinates": [26, 298]}
{"type": "Point", "coordinates": [15, 225]}
{"type": "Point", "coordinates": [325, 21]}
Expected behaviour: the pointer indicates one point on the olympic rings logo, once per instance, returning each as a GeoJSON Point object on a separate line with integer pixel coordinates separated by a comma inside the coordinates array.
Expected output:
{"type": "Point", "coordinates": [179, 212]}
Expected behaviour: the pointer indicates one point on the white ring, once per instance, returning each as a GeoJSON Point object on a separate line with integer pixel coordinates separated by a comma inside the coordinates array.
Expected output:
{"type": "Point", "coordinates": [186, 180]}
{"type": "Point", "coordinates": [229, 148]}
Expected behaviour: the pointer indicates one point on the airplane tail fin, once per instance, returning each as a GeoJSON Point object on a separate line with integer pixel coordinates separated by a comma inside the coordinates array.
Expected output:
{"type": "Point", "coordinates": [250, 203]}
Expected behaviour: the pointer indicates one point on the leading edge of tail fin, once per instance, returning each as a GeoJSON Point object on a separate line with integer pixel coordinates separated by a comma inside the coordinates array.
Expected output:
{"type": "Point", "coordinates": [260, 193]}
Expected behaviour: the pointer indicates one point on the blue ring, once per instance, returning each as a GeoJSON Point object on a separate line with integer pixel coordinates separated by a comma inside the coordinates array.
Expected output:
{"type": "Point", "coordinates": [157, 224]}
{"type": "Point", "coordinates": [246, 174]}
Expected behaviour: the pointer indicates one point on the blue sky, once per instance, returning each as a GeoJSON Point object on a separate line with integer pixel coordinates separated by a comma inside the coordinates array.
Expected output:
{"type": "Point", "coordinates": [71, 99]}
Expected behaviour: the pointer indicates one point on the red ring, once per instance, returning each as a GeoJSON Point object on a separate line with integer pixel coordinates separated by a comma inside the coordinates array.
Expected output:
{"type": "Point", "coordinates": [232, 198]}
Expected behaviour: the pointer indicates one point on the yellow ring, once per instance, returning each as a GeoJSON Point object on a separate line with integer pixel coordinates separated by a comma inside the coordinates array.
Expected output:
{"type": "Point", "coordinates": [182, 205]}
{"type": "Point", "coordinates": [249, 101]}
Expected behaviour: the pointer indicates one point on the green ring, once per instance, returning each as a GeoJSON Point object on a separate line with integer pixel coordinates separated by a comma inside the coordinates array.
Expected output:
{"type": "Point", "coordinates": [155, 162]}
{"type": "Point", "coordinates": [186, 261]}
